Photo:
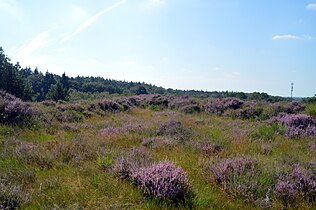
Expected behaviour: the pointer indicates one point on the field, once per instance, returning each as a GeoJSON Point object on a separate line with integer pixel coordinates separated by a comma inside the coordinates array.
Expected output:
{"type": "Point", "coordinates": [157, 152]}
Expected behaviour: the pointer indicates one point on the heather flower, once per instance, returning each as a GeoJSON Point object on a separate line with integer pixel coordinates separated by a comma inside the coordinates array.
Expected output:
{"type": "Point", "coordinates": [163, 181]}
{"type": "Point", "coordinates": [14, 111]}
{"type": "Point", "coordinates": [11, 197]}
{"type": "Point", "coordinates": [173, 129]}
{"type": "Point", "coordinates": [125, 165]}
{"type": "Point", "coordinates": [238, 176]}
{"type": "Point", "coordinates": [109, 106]}
{"type": "Point", "coordinates": [206, 147]}
{"type": "Point", "coordinates": [294, 185]}
{"type": "Point", "coordinates": [297, 125]}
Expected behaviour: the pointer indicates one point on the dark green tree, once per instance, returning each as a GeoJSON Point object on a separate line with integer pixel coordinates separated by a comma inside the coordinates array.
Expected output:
{"type": "Point", "coordinates": [57, 92]}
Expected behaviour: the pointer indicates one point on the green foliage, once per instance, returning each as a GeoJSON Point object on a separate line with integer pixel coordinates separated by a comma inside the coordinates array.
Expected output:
{"type": "Point", "coordinates": [57, 92]}
{"type": "Point", "coordinates": [266, 132]}
{"type": "Point", "coordinates": [311, 110]}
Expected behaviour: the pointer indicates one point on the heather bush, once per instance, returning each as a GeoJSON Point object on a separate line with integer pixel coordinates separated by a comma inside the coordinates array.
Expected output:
{"type": "Point", "coordinates": [219, 106]}
{"type": "Point", "coordinates": [294, 185]}
{"type": "Point", "coordinates": [241, 177]}
{"type": "Point", "coordinates": [189, 109]}
{"type": "Point", "coordinates": [126, 164]}
{"type": "Point", "coordinates": [206, 147]}
{"type": "Point", "coordinates": [11, 197]}
{"type": "Point", "coordinates": [109, 106]}
{"type": "Point", "coordinates": [163, 180]}
{"type": "Point", "coordinates": [174, 129]}
{"type": "Point", "coordinates": [183, 101]}
{"type": "Point", "coordinates": [214, 106]}
{"type": "Point", "coordinates": [297, 125]}
{"type": "Point", "coordinates": [13, 111]}
{"type": "Point", "coordinates": [232, 103]}
{"type": "Point", "coordinates": [157, 100]}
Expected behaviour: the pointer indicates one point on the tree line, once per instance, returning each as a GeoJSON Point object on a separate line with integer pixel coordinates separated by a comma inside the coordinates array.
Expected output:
{"type": "Point", "coordinates": [33, 85]}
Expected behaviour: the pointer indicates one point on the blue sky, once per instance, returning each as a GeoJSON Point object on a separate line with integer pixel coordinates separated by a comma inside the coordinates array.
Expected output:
{"type": "Point", "coordinates": [234, 45]}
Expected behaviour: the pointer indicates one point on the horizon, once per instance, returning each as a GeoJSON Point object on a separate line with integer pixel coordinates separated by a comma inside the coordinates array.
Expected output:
{"type": "Point", "coordinates": [241, 46]}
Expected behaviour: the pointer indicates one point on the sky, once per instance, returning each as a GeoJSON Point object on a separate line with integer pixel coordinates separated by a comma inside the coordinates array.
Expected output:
{"type": "Point", "coordinates": [213, 45]}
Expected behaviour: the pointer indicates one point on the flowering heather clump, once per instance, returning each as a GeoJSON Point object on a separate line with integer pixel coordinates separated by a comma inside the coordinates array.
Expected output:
{"type": "Point", "coordinates": [13, 110]}
{"type": "Point", "coordinates": [175, 129]}
{"type": "Point", "coordinates": [189, 109]}
{"type": "Point", "coordinates": [163, 181]}
{"type": "Point", "coordinates": [294, 185]}
{"type": "Point", "coordinates": [297, 125]}
{"type": "Point", "coordinates": [214, 106]}
{"type": "Point", "coordinates": [219, 106]}
{"type": "Point", "coordinates": [207, 147]}
{"type": "Point", "coordinates": [181, 102]}
{"type": "Point", "coordinates": [109, 106]}
{"type": "Point", "coordinates": [125, 165]}
{"type": "Point", "coordinates": [232, 103]}
{"type": "Point", "coordinates": [157, 100]}
{"type": "Point", "coordinates": [11, 197]}
{"type": "Point", "coordinates": [237, 176]}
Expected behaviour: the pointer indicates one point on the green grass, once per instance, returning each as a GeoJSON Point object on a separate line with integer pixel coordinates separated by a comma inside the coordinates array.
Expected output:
{"type": "Point", "coordinates": [88, 184]}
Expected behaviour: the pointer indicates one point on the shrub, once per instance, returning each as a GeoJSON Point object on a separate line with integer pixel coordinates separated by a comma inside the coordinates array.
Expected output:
{"type": "Point", "coordinates": [109, 106]}
{"type": "Point", "coordinates": [297, 184]}
{"type": "Point", "coordinates": [240, 177]}
{"type": "Point", "coordinates": [189, 109]}
{"type": "Point", "coordinates": [13, 111]}
{"type": "Point", "coordinates": [174, 129]}
{"type": "Point", "coordinates": [206, 147]}
{"type": "Point", "coordinates": [11, 197]}
{"type": "Point", "coordinates": [125, 165]}
{"type": "Point", "coordinates": [163, 181]}
{"type": "Point", "coordinates": [214, 106]}
{"type": "Point", "coordinates": [219, 106]}
{"type": "Point", "coordinates": [297, 125]}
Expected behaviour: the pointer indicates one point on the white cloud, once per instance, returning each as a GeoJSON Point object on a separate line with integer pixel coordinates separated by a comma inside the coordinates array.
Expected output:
{"type": "Point", "coordinates": [311, 6]}
{"type": "Point", "coordinates": [41, 40]}
{"type": "Point", "coordinates": [85, 24]}
{"type": "Point", "coordinates": [285, 37]}
{"type": "Point", "coordinates": [293, 37]}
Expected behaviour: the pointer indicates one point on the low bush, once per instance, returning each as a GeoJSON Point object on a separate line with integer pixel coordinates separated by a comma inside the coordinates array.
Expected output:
{"type": "Point", "coordinates": [162, 181]}
{"type": "Point", "coordinates": [174, 129]}
{"type": "Point", "coordinates": [13, 111]}
{"type": "Point", "coordinates": [241, 177]}
{"type": "Point", "coordinates": [297, 125]}
{"type": "Point", "coordinates": [126, 164]}
{"type": "Point", "coordinates": [294, 185]}
{"type": "Point", "coordinates": [11, 197]}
